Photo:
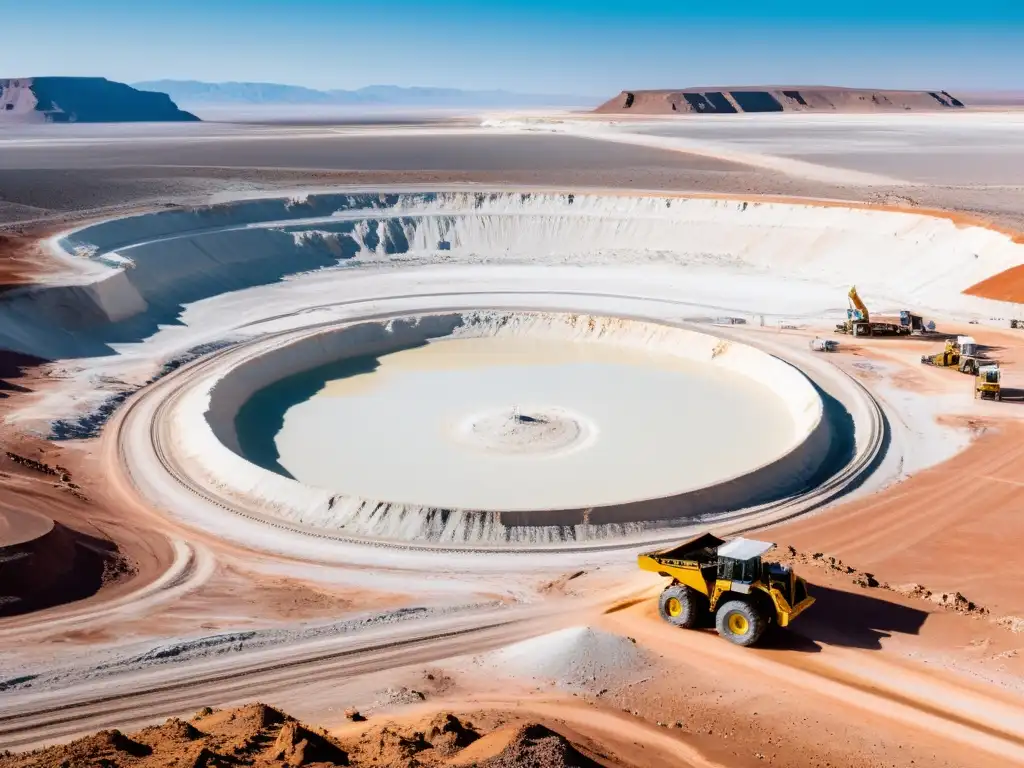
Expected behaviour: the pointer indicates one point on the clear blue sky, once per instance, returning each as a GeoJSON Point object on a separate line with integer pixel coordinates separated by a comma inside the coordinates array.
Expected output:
{"type": "Point", "coordinates": [573, 46]}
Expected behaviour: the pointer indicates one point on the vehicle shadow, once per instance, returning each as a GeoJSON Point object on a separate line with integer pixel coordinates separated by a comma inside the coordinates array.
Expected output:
{"type": "Point", "coordinates": [1011, 394]}
{"type": "Point", "coordinates": [847, 620]}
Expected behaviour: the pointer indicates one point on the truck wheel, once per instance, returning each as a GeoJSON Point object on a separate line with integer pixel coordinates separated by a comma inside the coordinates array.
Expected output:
{"type": "Point", "coordinates": [679, 606]}
{"type": "Point", "coordinates": [740, 622]}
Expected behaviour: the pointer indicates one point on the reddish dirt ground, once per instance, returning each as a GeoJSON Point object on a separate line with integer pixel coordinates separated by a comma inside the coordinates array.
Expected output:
{"type": "Point", "coordinates": [1006, 286]}
{"type": "Point", "coordinates": [96, 553]}
{"type": "Point", "coordinates": [948, 526]}
{"type": "Point", "coordinates": [21, 259]}
{"type": "Point", "coordinates": [813, 696]}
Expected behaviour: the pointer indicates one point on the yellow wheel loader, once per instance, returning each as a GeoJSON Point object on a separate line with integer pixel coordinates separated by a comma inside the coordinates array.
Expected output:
{"type": "Point", "coordinates": [727, 580]}
{"type": "Point", "coordinates": [947, 358]}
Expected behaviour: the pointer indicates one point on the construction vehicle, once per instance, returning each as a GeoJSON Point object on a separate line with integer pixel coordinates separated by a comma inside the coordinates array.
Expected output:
{"type": "Point", "coordinates": [987, 382]}
{"type": "Point", "coordinates": [858, 319]}
{"type": "Point", "coordinates": [914, 324]}
{"type": "Point", "coordinates": [972, 365]}
{"type": "Point", "coordinates": [961, 353]}
{"type": "Point", "coordinates": [947, 358]}
{"type": "Point", "coordinates": [859, 323]}
{"type": "Point", "coordinates": [970, 356]}
{"type": "Point", "coordinates": [727, 580]}
{"type": "Point", "coordinates": [824, 345]}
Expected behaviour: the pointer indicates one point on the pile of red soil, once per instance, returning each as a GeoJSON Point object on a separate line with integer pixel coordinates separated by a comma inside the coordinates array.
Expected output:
{"type": "Point", "coordinates": [254, 735]}
{"type": "Point", "coordinates": [262, 737]}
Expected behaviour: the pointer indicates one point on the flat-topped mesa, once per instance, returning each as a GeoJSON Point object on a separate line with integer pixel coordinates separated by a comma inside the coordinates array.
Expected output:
{"type": "Point", "coordinates": [776, 98]}
{"type": "Point", "coordinates": [83, 100]}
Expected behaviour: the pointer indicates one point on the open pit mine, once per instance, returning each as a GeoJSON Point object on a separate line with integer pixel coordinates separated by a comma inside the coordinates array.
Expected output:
{"type": "Point", "coordinates": [458, 410]}
{"type": "Point", "coordinates": [426, 368]}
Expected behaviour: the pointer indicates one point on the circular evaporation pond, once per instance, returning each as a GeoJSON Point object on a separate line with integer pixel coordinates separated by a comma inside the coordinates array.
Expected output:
{"type": "Point", "coordinates": [514, 423]}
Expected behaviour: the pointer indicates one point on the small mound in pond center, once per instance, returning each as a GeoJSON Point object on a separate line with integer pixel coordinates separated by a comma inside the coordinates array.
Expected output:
{"type": "Point", "coordinates": [526, 431]}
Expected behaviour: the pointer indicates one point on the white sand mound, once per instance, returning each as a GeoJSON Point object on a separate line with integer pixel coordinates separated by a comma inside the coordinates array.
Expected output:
{"type": "Point", "coordinates": [530, 430]}
{"type": "Point", "coordinates": [576, 657]}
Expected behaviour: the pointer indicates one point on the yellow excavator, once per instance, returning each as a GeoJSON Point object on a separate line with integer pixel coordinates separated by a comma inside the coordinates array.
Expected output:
{"type": "Point", "coordinates": [727, 580]}
{"type": "Point", "coordinates": [858, 319]}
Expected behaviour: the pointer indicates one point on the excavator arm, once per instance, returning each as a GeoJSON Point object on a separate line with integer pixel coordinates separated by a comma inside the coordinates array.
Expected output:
{"type": "Point", "coordinates": [858, 304]}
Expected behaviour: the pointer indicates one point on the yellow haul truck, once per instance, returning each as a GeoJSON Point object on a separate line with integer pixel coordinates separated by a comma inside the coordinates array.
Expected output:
{"type": "Point", "coordinates": [729, 580]}
{"type": "Point", "coordinates": [987, 383]}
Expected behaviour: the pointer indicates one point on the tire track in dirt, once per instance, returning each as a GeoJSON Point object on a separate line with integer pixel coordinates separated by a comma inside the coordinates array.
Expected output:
{"type": "Point", "coordinates": [844, 678]}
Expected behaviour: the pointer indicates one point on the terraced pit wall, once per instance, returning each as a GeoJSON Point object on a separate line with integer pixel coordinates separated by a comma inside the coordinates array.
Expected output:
{"type": "Point", "coordinates": [130, 276]}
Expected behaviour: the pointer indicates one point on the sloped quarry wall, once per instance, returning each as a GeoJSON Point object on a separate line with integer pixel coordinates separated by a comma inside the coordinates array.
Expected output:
{"type": "Point", "coordinates": [203, 438]}
{"type": "Point", "coordinates": [706, 101]}
{"type": "Point", "coordinates": [134, 274]}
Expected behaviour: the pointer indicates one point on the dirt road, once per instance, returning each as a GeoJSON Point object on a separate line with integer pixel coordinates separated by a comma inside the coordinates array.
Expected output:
{"type": "Point", "coordinates": [29, 720]}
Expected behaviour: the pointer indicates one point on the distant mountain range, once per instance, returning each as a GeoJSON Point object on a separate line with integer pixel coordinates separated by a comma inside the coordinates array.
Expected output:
{"type": "Point", "coordinates": [194, 92]}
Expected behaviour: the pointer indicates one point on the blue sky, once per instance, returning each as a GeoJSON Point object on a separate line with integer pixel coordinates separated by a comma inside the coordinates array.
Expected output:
{"type": "Point", "coordinates": [573, 46]}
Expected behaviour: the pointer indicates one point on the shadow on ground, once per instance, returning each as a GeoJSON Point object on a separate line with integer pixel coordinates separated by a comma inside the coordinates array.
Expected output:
{"type": "Point", "coordinates": [1011, 394]}
{"type": "Point", "coordinates": [12, 366]}
{"type": "Point", "coordinates": [847, 620]}
{"type": "Point", "coordinates": [62, 567]}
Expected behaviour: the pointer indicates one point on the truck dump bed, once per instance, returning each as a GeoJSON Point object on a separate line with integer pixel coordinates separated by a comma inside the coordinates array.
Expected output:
{"type": "Point", "coordinates": [702, 548]}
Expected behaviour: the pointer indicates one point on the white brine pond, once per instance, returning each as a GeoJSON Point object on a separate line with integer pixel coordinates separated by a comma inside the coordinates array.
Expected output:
{"type": "Point", "coordinates": [514, 423]}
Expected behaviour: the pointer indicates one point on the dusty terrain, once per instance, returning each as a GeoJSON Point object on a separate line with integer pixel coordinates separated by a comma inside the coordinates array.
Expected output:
{"type": "Point", "coordinates": [911, 656]}
{"type": "Point", "coordinates": [259, 735]}
{"type": "Point", "coordinates": [91, 546]}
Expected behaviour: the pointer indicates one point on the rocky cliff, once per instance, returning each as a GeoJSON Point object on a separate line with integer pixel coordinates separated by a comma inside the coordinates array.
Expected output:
{"type": "Point", "coordinates": [83, 100]}
{"type": "Point", "coordinates": [732, 100]}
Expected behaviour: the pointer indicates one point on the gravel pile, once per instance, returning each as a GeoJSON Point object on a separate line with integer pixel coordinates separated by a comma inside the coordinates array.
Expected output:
{"type": "Point", "coordinates": [573, 658]}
